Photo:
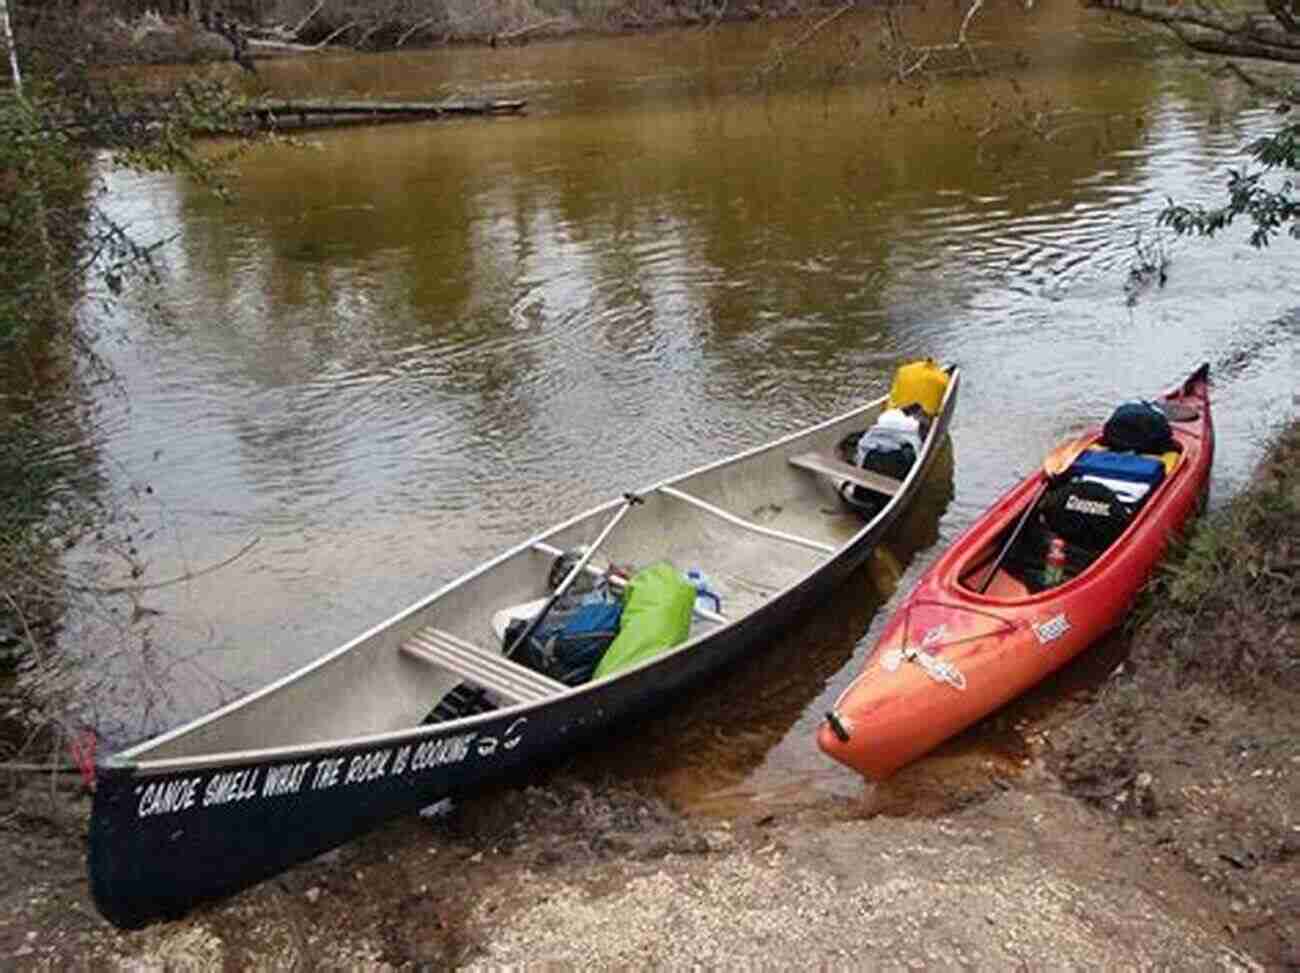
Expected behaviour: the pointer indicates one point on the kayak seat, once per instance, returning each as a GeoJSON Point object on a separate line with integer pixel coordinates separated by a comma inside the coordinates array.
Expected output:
{"type": "Point", "coordinates": [1023, 568]}
{"type": "Point", "coordinates": [828, 464]}
{"type": "Point", "coordinates": [1005, 584]}
{"type": "Point", "coordinates": [1127, 477]}
{"type": "Point", "coordinates": [490, 670]}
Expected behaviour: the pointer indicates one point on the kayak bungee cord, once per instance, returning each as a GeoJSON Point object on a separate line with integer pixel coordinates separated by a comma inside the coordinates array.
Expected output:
{"type": "Point", "coordinates": [936, 668]}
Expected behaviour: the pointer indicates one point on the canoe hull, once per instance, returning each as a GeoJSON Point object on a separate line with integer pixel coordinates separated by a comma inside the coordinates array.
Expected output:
{"type": "Point", "coordinates": [171, 831]}
{"type": "Point", "coordinates": [162, 843]}
{"type": "Point", "coordinates": [950, 656]}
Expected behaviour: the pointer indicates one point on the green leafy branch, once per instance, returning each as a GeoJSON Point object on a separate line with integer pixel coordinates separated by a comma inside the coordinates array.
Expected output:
{"type": "Point", "coordinates": [1271, 210]}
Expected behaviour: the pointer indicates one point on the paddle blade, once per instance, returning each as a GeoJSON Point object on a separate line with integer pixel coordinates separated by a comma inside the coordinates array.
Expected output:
{"type": "Point", "coordinates": [1059, 459]}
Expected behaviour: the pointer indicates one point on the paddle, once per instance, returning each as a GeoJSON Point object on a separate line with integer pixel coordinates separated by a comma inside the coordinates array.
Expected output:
{"type": "Point", "coordinates": [1063, 456]}
{"type": "Point", "coordinates": [1057, 462]}
{"type": "Point", "coordinates": [630, 501]}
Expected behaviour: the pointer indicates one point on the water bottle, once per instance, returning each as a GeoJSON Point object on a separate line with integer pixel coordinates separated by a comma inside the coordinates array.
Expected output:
{"type": "Point", "coordinates": [1054, 573]}
{"type": "Point", "coordinates": [706, 599]}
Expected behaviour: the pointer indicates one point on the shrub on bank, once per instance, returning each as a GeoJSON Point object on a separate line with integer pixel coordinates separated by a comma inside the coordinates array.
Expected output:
{"type": "Point", "coordinates": [58, 248]}
{"type": "Point", "coordinates": [1224, 605]}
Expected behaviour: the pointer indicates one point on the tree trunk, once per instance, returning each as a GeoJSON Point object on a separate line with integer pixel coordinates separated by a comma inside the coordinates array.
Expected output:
{"type": "Point", "coordinates": [7, 34]}
{"type": "Point", "coordinates": [42, 224]}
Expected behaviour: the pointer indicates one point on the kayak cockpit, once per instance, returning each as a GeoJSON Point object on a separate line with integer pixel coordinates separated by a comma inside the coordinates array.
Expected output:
{"type": "Point", "coordinates": [1066, 519]}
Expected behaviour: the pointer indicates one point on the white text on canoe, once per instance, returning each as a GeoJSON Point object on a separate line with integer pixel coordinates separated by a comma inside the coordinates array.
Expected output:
{"type": "Point", "coordinates": [259, 783]}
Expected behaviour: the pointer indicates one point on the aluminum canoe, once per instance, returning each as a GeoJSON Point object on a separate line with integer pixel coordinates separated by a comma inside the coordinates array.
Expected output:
{"type": "Point", "coordinates": [339, 746]}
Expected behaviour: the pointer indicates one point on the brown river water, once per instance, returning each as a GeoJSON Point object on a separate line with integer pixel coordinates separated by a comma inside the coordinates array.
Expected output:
{"type": "Point", "coordinates": [401, 348]}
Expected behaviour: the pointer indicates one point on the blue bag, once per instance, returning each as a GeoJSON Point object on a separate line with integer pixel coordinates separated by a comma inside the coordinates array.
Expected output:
{"type": "Point", "coordinates": [1119, 466]}
{"type": "Point", "coordinates": [570, 641]}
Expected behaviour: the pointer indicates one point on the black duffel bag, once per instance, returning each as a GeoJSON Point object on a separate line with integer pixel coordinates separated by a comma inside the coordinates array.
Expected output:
{"type": "Point", "coordinates": [1086, 513]}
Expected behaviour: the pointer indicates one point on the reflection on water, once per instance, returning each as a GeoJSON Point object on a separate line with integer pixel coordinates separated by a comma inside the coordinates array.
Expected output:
{"type": "Point", "coordinates": [402, 348]}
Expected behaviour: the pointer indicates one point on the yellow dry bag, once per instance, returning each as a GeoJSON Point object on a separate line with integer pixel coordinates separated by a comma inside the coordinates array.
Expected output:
{"type": "Point", "coordinates": [922, 382]}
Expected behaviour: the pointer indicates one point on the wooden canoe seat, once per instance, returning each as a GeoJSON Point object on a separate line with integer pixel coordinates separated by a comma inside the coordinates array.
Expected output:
{"type": "Point", "coordinates": [490, 670]}
{"type": "Point", "coordinates": [831, 465]}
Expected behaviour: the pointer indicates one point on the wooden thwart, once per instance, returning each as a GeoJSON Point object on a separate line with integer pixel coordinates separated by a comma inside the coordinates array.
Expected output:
{"type": "Point", "coordinates": [833, 466]}
{"type": "Point", "coordinates": [741, 522]}
{"type": "Point", "coordinates": [481, 667]}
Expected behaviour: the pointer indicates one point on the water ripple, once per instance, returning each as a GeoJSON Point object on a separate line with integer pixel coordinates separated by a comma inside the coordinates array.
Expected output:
{"type": "Point", "coordinates": [404, 350]}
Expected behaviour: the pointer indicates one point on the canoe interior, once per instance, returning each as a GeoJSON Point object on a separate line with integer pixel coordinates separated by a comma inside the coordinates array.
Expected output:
{"type": "Point", "coordinates": [369, 687]}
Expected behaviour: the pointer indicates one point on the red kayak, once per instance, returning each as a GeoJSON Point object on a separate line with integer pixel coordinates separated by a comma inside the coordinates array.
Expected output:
{"type": "Point", "coordinates": [1046, 571]}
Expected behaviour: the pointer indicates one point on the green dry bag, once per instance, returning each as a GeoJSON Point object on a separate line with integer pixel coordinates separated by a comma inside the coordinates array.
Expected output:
{"type": "Point", "coordinates": [656, 616]}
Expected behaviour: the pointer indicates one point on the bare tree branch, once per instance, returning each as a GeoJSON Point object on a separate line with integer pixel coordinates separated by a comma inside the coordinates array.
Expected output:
{"type": "Point", "coordinates": [1213, 31]}
{"type": "Point", "coordinates": [179, 579]}
{"type": "Point", "coordinates": [1283, 14]}
{"type": "Point", "coordinates": [1251, 81]}
{"type": "Point", "coordinates": [338, 33]}
{"type": "Point", "coordinates": [779, 61]}
{"type": "Point", "coordinates": [297, 31]}
{"type": "Point", "coordinates": [7, 34]}
{"type": "Point", "coordinates": [415, 28]}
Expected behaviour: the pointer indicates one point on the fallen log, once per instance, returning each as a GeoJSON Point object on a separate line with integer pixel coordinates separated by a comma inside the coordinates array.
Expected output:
{"type": "Point", "coordinates": [282, 114]}
{"type": "Point", "coordinates": [521, 33]}
{"type": "Point", "coordinates": [262, 47]}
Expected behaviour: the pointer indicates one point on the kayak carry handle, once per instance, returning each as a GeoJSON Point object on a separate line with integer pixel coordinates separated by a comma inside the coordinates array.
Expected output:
{"type": "Point", "coordinates": [837, 726]}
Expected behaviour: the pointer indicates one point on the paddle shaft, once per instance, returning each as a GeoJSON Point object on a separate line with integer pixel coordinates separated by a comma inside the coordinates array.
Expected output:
{"type": "Point", "coordinates": [630, 501]}
{"type": "Point", "coordinates": [1057, 462]}
{"type": "Point", "coordinates": [1015, 535]}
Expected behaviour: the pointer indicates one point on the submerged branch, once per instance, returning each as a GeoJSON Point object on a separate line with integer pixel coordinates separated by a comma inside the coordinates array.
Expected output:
{"type": "Point", "coordinates": [966, 21]}
{"type": "Point", "coordinates": [167, 583]}
{"type": "Point", "coordinates": [526, 29]}
{"type": "Point", "coordinates": [52, 768]}
{"type": "Point", "coordinates": [921, 55]}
